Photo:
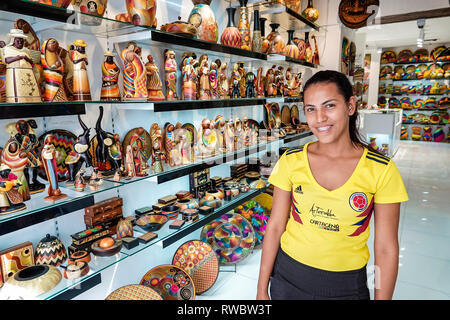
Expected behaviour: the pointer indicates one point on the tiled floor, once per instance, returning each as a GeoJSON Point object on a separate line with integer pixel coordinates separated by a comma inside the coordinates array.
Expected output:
{"type": "Point", "coordinates": [424, 232]}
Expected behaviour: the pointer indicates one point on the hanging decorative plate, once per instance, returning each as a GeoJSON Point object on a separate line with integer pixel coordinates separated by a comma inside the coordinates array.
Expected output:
{"type": "Point", "coordinates": [255, 213]}
{"type": "Point", "coordinates": [285, 115]}
{"type": "Point", "coordinates": [134, 292]}
{"type": "Point", "coordinates": [199, 260]}
{"type": "Point", "coordinates": [147, 142]}
{"type": "Point", "coordinates": [404, 56]}
{"type": "Point", "coordinates": [418, 104]}
{"type": "Point", "coordinates": [420, 55]}
{"type": "Point", "coordinates": [63, 141]}
{"type": "Point", "coordinates": [386, 73]}
{"type": "Point", "coordinates": [388, 56]}
{"type": "Point", "coordinates": [171, 282]}
{"type": "Point", "coordinates": [355, 14]}
{"type": "Point", "coordinates": [231, 236]}
{"type": "Point", "coordinates": [295, 117]}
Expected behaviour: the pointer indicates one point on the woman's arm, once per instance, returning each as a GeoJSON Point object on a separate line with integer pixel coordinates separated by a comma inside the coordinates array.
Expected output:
{"type": "Point", "coordinates": [386, 249]}
{"type": "Point", "coordinates": [275, 228]}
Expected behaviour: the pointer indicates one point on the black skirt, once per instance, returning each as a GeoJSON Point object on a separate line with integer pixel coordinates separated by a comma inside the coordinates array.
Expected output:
{"type": "Point", "coordinates": [292, 280]}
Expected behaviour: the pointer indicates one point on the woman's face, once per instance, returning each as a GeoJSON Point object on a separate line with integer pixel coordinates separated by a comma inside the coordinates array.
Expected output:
{"type": "Point", "coordinates": [327, 112]}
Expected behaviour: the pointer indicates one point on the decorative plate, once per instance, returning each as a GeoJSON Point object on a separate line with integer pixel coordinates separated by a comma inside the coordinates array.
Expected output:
{"type": "Point", "coordinates": [171, 282]}
{"type": "Point", "coordinates": [255, 213]}
{"type": "Point", "coordinates": [63, 141]}
{"type": "Point", "coordinates": [404, 56]}
{"type": "Point", "coordinates": [418, 104]}
{"type": "Point", "coordinates": [231, 236]}
{"type": "Point", "coordinates": [285, 115]}
{"type": "Point", "coordinates": [152, 222]}
{"type": "Point", "coordinates": [386, 73]}
{"type": "Point", "coordinates": [273, 115]}
{"type": "Point", "coordinates": [134, 292]}
{"type": "Point", "coordinates": [199, 260]}
{"type": "Point", "coordinates": [295, 117]}
{"type": "Point", "coordinates": [388, 56]}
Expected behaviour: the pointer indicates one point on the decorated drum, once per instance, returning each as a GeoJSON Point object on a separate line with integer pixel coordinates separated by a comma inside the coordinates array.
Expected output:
{"type": "Point", "coordinates": [231, 236]}
{"type": "Point", "coordinates": [171, 282]}
{"type": "Point", "coordinates": [134, 292]}
{"type": "Point", "coordinates": [199, 260]}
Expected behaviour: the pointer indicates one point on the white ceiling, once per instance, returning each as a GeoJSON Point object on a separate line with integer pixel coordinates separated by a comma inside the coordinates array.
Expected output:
{"type": "Point", "coordinates": [406, 33]}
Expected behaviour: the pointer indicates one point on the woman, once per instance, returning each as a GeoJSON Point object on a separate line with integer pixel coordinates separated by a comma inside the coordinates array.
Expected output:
{"type": "Point", "coordinates": [331, 187]}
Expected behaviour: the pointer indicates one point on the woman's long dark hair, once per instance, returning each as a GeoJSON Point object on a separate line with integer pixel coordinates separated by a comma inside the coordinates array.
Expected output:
{"type": "Point", "coordinates": [346, 90]}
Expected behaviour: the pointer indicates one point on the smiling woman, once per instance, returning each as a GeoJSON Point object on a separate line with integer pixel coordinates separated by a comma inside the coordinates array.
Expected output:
{"type": "Point", "coordinates": [331, 188]}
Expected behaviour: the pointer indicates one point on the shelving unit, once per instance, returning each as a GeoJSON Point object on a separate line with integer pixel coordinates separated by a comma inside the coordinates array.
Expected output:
{"type": "Point", "coordinates": [47, 18]}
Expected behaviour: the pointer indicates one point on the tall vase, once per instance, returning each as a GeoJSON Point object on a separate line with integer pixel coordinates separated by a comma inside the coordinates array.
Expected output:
{"type": "Point", "coordinates": [276, 42]}
{"type": "Point", "coordinates": [310, 13]}
{"type": "Point", "coordinates": [202, 17]}
{"type": "Point", "coordinates": [142, 12]}
{"type": "Point", "coordinates": [244, 25]}
{"type": "Point", "coordinates": [231, 35]}
{"type": "Point", "coordinates": [264, 42]}
{"type": "Point", "coordinates": [256, 39]}
{"type": "Point", "coordinates": [308, 49]}
{"type": "Point", "coordinates": [291, 49]}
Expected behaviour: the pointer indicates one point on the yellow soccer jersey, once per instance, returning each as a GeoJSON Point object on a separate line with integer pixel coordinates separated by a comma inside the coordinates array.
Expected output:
{"type": "Point", "coordinates": [328, 230]}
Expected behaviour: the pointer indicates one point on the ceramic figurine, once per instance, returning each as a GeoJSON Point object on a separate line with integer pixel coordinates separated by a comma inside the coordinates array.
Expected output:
{"type": "Point", "coordinates": [257, 37]}
{"type": "Point", "coordinates": [53, 64]}
{"type": "Point", "coordinates": [23, 132]}
{"type": "Point", "coordinates": [129, 162]}
{"type": "Point", "coordinates": [229, 136]}
{"type": "Point", "coordinates": [101, 143]}
{"type": "Point", "coordinates": [231, 35]}
{"type": "Point", "coordinates": [213, 81]}
{"type": "Point", "coordinates": [265, 44]}
{"type": "Point", "coordinates": [15, 157]}
{"type": "Point", "coordinates": [244, 25]}
{"type": "Point", "coordinates": [140, 157]}
{"type": "Point", "coordinates": [80, 154]}
{"type": "Point", "coordinates": [235, 82]}
{"type": "Point", "coordinates": [48, 158]}
{"type": "Point", "coordinates": [279, 81]}
{"type": "Point", "coordinates": [373, 143]}
{"type": "Point", "coordinates": [310, 13]}
{"type": "Point", "coordinates": [269, 86]}
{"type": "Point", "coordinates": [96, 179]}
{"type": "Point", "coordinates": [294, 5]}
{"type": "Point", "coordinates": [250, 85]}
{"type": "Point", "coordinates": [173, 157]}
{"type": "Point", "coordinates": [21, 84]}
{"type": "Point", "coordinates": [276, 42]}
{"type": "Point", "coordinates": [308, 49]}
{"type": "Point", "coordinates": [81, 89]}
{"type": "Point", "coordinates": [259, 83]}
{"type": "Point", "coordinates": [10, 198]}
{"type": "Point", "coordinates": [154, 83]}
{"type": "Point", "coordinates": [243, 81]}
{"type": "Point", "coordinates": [170, 70]}
{"type": "Point", "coordinates": [189, 78]}
{"type": "Point", "coordinates": [79, 181]}
{"type": "Point", "coordinates": [239, 134]}
{"type": "Point", "coordinates": [157, 147]}
{"type": "Point", "coordinates": [224, 87]}
{"type": "Point", "coordinates": [291, 49]}
{"type": "Point", "coordinates": [202, 17]}
{"type": "Point", "coordinates": [115, 153]}
{"type": "Point", "coordinates": [219, 125]}
{"type": "Point", "coordinates": [134, 76]}
{"type": "Point", "coordinates": [204, 85]}
{"type": "Point", "coordinates": [110, 79]}
{"type": "Point", "coordinates": [206, 139]}
{"type": "Point", "coordinates": [294, 85]}
{"type": "Point", "coordinates": [142, 12]}
{"type": "Point", "coordinates": [32, 43]}
{"type": "Point", "coordinates": [183, 146]}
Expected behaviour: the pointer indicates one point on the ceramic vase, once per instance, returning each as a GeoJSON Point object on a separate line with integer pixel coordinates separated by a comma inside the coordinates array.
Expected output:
{"type": "Point", "coordinates": [256, 39]}
{"type": "Point", "coordinates": [142, 12]}
{"type": "Point", "coordinates": [231, 35]}
{"type": "Point", "coordinates": [203, 18]}
{"type": "Point", "coordinates": [264, 42]}
{"type": "Point", "coordinates": [310, 13]}
{"type": "Point", "coordinates": [50, 251]}
{"type": "Point", "coordinates": [276, 42]}
{"type": "Point", "coordinates": [291, 49]}
{"type": "Point", "coordinates": [244, 25]}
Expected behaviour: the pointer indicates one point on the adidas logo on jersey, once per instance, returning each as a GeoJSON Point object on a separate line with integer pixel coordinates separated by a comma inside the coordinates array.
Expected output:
{"type": "Point", "coordinates": [298, 190]}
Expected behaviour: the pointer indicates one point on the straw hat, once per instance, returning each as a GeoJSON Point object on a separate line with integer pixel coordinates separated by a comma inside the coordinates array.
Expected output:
{"type": "Point", "coordinates": [108, 54]}
{"type": "Point", "coordinates": [17, 33]}
{"type": "Point", "coordinates": [80, 43]}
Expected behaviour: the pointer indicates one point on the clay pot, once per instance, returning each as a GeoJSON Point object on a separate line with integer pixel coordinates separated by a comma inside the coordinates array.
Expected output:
{"type": "Point", "coordinates": [276, 42]}
{"type": "Point", "coordinates": [50, 251]}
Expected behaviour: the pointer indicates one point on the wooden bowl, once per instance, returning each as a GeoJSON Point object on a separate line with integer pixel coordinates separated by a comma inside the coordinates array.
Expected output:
{"type": "Point", "coordinates": [171, 212]}
{"type": "Point", "coordinates": [152, 222]}
{"type": "Point", "coordinates": [106, 252]}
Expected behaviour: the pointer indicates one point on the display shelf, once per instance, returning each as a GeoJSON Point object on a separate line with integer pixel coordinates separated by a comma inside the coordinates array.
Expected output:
{"type": "Point", "coordinates": [295, 137]}
{"type": "Point", "coordinates": [181, 105]}
{"type": "Point", "coordinates": [279, 13]}
{"type": "Point", "coordinates": [167, 236]}
{"type": "Point", "coordinates": [281, 58]}
{"type": "Point", "coordinates": [36, 110]}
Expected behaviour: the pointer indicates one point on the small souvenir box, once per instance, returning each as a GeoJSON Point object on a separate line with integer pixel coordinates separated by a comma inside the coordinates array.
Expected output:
{"type": "Point", "coordinates": [14, 259]}
{"type": "Point", "coordinates": [176, 224]}
{"type": "Point", "coordinates": [144, 210]}
{"type": "Point", "coordinates": [204, 210]}
{"type": "Point", "coordinates": [130, 242]}
{"type": "Point", "coordinates": [147, 237]}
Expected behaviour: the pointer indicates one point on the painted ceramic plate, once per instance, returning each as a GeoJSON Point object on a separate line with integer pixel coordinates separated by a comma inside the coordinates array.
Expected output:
{"type": "Point", "coordinates": [171, 282]}
{"type": "Point", "coordinates": [231, 236]}
{"type": "Point", "coordinates": [134, 292]}
{"type": "Point", "coordinates": [63, 142]}
{"type": "Point", "coordinates": [199, 260]}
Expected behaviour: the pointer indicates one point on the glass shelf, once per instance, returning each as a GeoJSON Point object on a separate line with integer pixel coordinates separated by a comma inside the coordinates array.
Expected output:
{"type": "Point", "coordinates": [35, 110]}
